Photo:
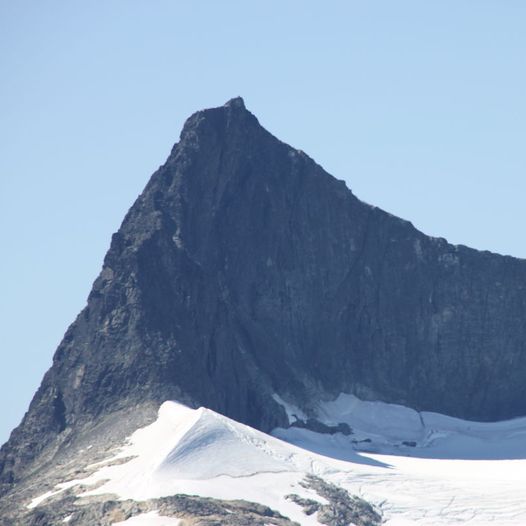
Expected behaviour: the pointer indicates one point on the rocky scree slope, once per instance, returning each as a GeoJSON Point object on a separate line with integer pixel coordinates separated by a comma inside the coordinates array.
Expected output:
{"type": "Point", "coordinates": [244, 270]}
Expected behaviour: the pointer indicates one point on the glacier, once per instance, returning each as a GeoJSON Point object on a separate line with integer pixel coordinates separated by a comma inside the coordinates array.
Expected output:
{"type": "Point", "coordinates": [416, 468]}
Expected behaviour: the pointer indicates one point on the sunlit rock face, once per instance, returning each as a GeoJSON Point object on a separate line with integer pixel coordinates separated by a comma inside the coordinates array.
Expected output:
{"type": "Point", "coordinates": [244, 270]}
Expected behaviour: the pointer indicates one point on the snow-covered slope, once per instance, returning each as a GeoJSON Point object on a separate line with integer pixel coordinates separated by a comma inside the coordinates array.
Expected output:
{"type": "Point", "coordinates": [421, 467]}
{"type": "Point", "coordinates": [200, 452]}
{"type": "Point", "coordinates": [447, 471]}
{"type": "Point", "coordinates": [151, 518]}
{"type": "Point", "coordinates": [395, 429]}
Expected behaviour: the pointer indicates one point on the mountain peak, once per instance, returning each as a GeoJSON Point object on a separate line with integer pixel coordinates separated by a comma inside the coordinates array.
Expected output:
{"type": "Point", "coordinates": [236, 102]}
{"type": "Point", "coordinates": [245, 271]}
{"type": "Point", "coordinates": [219, 122]}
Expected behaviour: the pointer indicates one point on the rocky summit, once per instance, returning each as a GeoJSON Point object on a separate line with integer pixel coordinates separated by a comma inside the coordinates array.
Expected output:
{"type": "Point", "coordinates": [244, 274]}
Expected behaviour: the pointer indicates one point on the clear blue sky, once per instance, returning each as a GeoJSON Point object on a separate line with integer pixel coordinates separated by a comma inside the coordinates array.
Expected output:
{"type": "Point", "coordinates": [419, 106]}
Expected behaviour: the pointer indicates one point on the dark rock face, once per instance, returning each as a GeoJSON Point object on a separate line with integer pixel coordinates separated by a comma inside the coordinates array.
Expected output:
{"type": "Point", "coordinates": [244, 269]}
{"type": "Point", "coordinates": [318, 427]}
{"type": "Point", "coordinates": [197, 511]}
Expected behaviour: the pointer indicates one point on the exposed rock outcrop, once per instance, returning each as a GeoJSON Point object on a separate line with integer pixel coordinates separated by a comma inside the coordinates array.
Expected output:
{"type": "Point", "coordinates": [341, 509]}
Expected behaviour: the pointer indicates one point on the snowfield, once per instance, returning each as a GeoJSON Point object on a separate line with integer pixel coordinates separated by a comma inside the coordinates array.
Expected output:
{"type": "Point", "coordinates": [149, 519]}
{"type": "Point", "coordinates": [417, 468]}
